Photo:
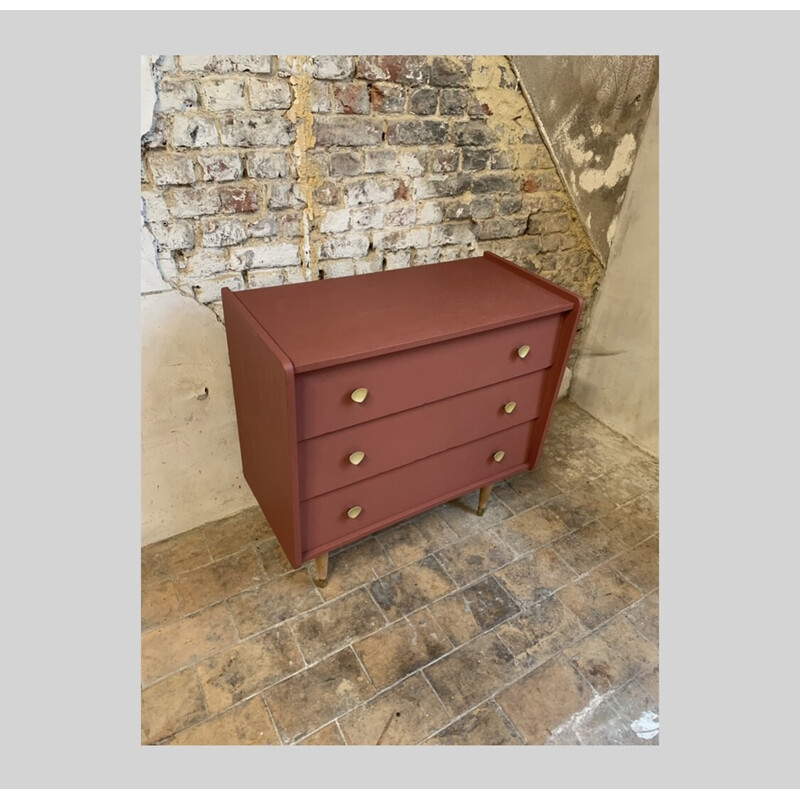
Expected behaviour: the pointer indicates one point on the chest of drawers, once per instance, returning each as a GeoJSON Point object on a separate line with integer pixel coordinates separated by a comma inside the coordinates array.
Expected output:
{"type": "Point", "coordinates": [364, 400]}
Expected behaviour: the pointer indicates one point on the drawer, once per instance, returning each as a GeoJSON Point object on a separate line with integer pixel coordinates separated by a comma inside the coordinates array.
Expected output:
{"type": "Point", "coordinates": [388, 497]}
{"type": "Point", "coordinates": [390, 442]}
{"type": "Point", "coordinates": [410, 378]}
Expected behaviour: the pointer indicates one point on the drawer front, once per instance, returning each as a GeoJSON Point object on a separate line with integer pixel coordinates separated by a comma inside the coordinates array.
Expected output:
{"type": "Point", "coordinates": [411, 378]}
{"type": "Point", "coordinates": [390, 442]}
{"type": "Point", "coordinates": [325, 518]}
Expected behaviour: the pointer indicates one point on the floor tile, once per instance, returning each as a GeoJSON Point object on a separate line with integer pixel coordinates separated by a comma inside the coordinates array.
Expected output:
{"type": "Point", "coordinates": [531, 530]}
{"type": "Point", "coordinates": [404, 715]}
{"type": "Point", "coordinates": [186, 641]}
{"type": "Point", "coordinates": [603, 725]}
{"type": "Point", "coordinates": [218, 580]}
{"type": "Point", "coordinates": [639, 565]}
{"type": "Point", "coordinates": [182, 552]}
{"type": "Point", "coordinates": [273, 602]}
{"type": "Point", "coordinates": [229, 535]}
{"type": "Point", "coordinates": [563, 737]}
{"type": "Point", "coordinates": [587, 547]}
{"type": "Point", "coordinates": [535, 576]}
{"type": "Point", "coordinates": [614, 451]}
{"type": "Point", "coordinates": [532, 486]}
{"type": "Point", "coordinates": [612, 655]}
{"type": "Point", "coordinates": [581, 504]}
{"type": "Point", "coordinates": [332, 626]}
{"type": "Point", "coordinates": [472, 674]}
{"type": "Point", "coordinates": [247, 723]}
{"type": "Point", "coordinates": [273, 560]}
{"type": "Point", "coordinates": [414, 540]}
{"type": "Point", "coordinates": [515, 502]}
{"type": "Point", "coordinates": [407, 589]}
{"type": "Point", "coordinates": [575, 467]}
{"type": "Point", "coordinates": [474, 610]}
{"type": "Point", "coordinates": [485, 725]}
{"type": "Point", "coordinates": [153, 568]}
{"type": "Point", "coordinates": [159, 604]}
{"type": "Point", "coordinates": [624, 483]}
{"type": "Point", "coordinates": [403, 647]}
{"type": "Point", "coordinates": [461, 624]}
{"type": "Point", "coordinates": [649, 680]}
{"type": "Point", "coordinates": [644, 616]}
{"type": "Point", "coordinates": [639, 710]}
{"type": "Point", "coordinates": [543, 630]}
{"type": "Point", "coordinates": [564, 440]}
{"type": "Point", "coordinates": [635, 521]}
{"type": "Point", "coordinates": [307, 701]}
{"type": "Point", "coordinates": [248, 667]}
{"type": "Point", "coordinates": [354, 566]}
{"type": "Point", "coordinates": [327, 736]}
{"type": "Point", "coordinates": [171, 704]}
{"type": "Point", "coordinates": [461, 514]}
{"type": "Point", "coordinates": [542, 700]}
{"type": "Point", "coordinates": [470, 559]}
{"type": "Point", "coordinates": [598, 596]}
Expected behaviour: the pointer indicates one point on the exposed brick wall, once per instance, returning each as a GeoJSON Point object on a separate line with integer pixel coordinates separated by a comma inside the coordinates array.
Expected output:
{"type": "Point", "coordinates": [261, 170]}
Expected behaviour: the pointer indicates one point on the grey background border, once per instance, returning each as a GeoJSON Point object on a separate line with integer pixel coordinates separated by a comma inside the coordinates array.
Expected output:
{"type": "Point", "coordinates": [70, 336]}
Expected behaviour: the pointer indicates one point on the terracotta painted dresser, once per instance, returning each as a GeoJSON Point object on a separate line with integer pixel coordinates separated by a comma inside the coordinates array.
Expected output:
{"type": "Point", "coordinates": [361, 401]}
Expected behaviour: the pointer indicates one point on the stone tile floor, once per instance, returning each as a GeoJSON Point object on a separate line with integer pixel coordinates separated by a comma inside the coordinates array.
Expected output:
{"type": "Point", "coordinates": [534, 624]}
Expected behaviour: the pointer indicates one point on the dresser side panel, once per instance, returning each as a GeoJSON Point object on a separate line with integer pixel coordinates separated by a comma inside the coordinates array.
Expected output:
{"type": "Point", "coordinates": [263, 389]}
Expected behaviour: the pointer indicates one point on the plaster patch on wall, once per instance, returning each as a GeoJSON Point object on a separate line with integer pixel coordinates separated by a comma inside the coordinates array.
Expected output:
{"type": "Point", "coordinates": [505, 103]}
{"type": "Point", "coordinates": [620, 167]}
{"type": "Point", "coordinates": [612, 229]}
{"type": "Point", "coordinates": [309, 176]}
{"type": "Point", "coordinates": [151, 278]}
{"type": "Point", "coordinates": [646, 727]}
{"type": "Point", "coordinates": [576, 150]}
{"type": "Point", "coordinates": [605, 100]}
{"type": "Point", "coordinates": [148, 94]}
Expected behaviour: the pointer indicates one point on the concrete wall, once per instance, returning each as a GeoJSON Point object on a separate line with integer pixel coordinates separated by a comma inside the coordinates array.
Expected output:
{"type": "Point", "coordinates": [592, 112]}
{"type": "Point", "coordinates": [262, 170]}
{"type": "Point", "coordinates": [616, 372]}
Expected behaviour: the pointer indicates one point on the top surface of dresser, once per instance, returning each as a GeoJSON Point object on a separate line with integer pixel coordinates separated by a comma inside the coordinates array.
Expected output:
{"type": "Point", "coordinates": [323, 323]}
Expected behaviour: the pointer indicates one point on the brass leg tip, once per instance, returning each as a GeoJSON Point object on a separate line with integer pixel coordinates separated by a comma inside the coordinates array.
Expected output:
{"type": "Point", "coordinates": [480, 512]}
{"type": "Point", "coordinates": [321, 583]}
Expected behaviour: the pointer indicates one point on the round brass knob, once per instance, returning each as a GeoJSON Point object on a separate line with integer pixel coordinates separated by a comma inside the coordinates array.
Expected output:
{"type": "Point", "coordinates": [357, 457]}
{"type": "Point", "coordinates": [523, 351]}
{"type": "Point", "coordinates": [353, 512]}
{"type": "Point", "coordinates": [499, 455]}
{"type": "Point", "coordinates": [359, 395]}
{"type": "Point", "coordinates": [509, 407]}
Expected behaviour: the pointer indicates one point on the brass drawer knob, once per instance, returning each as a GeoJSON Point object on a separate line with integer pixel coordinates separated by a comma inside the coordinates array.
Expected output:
{"type": "Point", "coordinates": [523, 351]}
{"type": "Point", "coordinates": [353, 512]}
{"type": "Point", "coordinates": [499, 455]}
{"type": "Point", "coordinates": [359, 395]}
{"type": "Point", "coordinates": [357, 457]}
{"type": "Point", "coordinates": [509, 407]}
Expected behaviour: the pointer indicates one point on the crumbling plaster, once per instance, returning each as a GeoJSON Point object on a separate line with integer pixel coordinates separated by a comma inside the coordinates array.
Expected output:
{"type": "Point", "coordinates": [191, 472]}
{"type": "Point", "coordinates": [616, 372]}
{"type": "Point", "coordinates": [591, 111]}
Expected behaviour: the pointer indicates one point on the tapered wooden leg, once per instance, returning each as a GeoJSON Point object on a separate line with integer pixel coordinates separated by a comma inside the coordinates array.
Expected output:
{"type": "Point", "coordinates": [483, 499]}
{"type": "Point", "coordinates": [321, 563]}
